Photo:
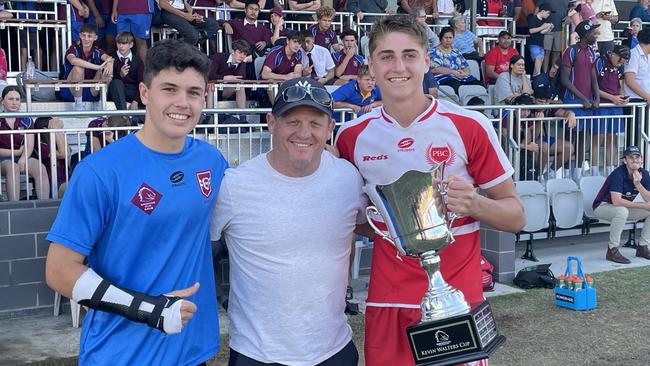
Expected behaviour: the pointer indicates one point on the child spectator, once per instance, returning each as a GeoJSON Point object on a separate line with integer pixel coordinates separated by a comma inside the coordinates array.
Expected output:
{"type": "Point", "coordinates": [497, 59]}
{"type": "Point", "coordinates": [230, 67]}
{"type": "Point", "coordinates": [514, 83]}
{"type": "Point", "coordinates": [16, 149]}
{"type": "Point", "coordinates": [538, 26]}
{"type": "Point", "coordinates": [100, 16]}
{"type": "Point", "coordinates": [448, 65]}
{"type": "Point", "coordinates": [361, 95]}
{"type": "Point", "coordinates": [79, 12]}
{"type": "Point", "coordinates": [42, 151]}
{"type": "Point", "coordinates": [134, 16]}
{"type": "Point", "coordinates": [323, 32]}
{"type": "Point", "coordinates": [192, 26]}
{"type": "Point", "coordinates": [85, 62]}
{"type": "Point", "coordinates": [96, 140]}
{"type": "Point", "coordinates": [257, 35]}
{"type": "Point", "coordinates": [609, 71]}
{"type": "Point", "coordinates": [317, 61]}
{"type": "Point", "coordinates": [347, 60]}
{"type": "Point", "coordinates": [284, 62]}
{"type": "Point", "coordinates": [128, 71]}
{"type": "Point", "coordinates": [279, 29]}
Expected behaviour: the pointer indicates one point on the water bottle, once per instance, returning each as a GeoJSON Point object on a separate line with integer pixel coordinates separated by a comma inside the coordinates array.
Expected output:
{"type": "Point", "coordinates": [30, 69]}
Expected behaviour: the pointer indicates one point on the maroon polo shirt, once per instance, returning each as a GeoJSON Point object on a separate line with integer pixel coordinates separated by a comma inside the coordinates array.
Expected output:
{"type": "Point", "coordinates": [249, 32]}
{"type": "Point", "coordinates": [220, 67]}
{"type": "Point", "coordinates": [94, 57]}
{"type": "Point", "coordinates": [323, 38]}
{"type": "Point", "coordinates": [45, 159]}
{"type": "Point", "coordinates": [280, 63]}
{"type": "Point", "coordinates": [98, 122]}
{"type": "Point", "coordinates": [21, 123]}
{"type": "Point", "coordinates": [583, 60]}
{"type": "Point", "coordinates": [105, 7]}
{"type": "Point", "coordinates": [353, 65]}
{"type": "Point", "coordinates": [608, 76]}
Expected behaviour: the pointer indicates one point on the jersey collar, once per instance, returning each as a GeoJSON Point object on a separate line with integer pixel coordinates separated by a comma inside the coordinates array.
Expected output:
{"type": "Point", "coordinates": [421, 118]}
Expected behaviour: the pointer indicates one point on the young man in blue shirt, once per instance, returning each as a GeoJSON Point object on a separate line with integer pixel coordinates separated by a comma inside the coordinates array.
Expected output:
{"type": "Point", "coordinates": [138, 210]}
{"type": "Point", "coordinates": [362, 95]}
{"type": "Point", "coordinates": [617, 203]}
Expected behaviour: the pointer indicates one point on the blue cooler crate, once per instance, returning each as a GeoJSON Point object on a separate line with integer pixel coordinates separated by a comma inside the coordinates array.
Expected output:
{"type": "Point", "coordinates": [584, 299]}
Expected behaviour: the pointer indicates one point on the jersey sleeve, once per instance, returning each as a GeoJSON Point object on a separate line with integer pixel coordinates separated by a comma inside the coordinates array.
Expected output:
{"type": "Point", "coordinates": [222, 212]}
{"type": "Point", "coordinates": [83, 213]}
{"type": "Point", "coordinates": [616, 183]}
{"type": "Point", "coordinates": [645, 179]}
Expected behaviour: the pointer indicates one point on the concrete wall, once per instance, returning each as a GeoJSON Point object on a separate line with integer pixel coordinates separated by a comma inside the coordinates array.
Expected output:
{"type": "Point", "coordinates": [23, 248]}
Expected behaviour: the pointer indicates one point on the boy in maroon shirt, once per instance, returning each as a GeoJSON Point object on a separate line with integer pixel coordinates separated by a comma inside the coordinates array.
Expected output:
{"type": "Point", "coordinates": [257, 35]}
{"type": "Point", "coordinates": [229, 67]}
{"type": "Point", "coordinates": [324, 33]}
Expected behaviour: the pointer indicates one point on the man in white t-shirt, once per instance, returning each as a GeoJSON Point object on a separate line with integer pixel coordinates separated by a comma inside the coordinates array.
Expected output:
{"type": "Point", "coordinates": [288, 218]}
{"type": "Point", "coordinates": [607, 17]}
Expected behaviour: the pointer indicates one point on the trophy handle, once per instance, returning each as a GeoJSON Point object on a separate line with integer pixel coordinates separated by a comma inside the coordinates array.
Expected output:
{"type": "Point", "coordinates": [375, 211]}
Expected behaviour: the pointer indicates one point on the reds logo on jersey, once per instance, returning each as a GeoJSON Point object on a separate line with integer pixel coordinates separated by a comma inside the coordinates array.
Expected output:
{"type": "Point", "coordinates": [205, 182]}
{"type": "Point", "coordinates": [440, 154]}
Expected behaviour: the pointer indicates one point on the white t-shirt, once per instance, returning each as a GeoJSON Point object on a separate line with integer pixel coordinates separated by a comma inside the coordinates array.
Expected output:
{"type": "Point", "coordinates": [322, 60]}
{"type": "Point", "coordinates": [639, 64]}
{"type": "Point", "coordinates": [289, 241]}
{"type": "Point", "coordinates": [606, 33]}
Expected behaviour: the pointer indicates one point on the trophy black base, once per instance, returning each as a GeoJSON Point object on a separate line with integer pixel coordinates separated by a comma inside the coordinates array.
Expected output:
{"type": "Point", "coordinates": [454, 340]}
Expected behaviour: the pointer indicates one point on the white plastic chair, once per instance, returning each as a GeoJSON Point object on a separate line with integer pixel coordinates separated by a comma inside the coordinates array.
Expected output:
{"type": "Point", "coordinates": [446, 92]}
{"type": "Point", "coordinates": [258, 63]}
{"type": "Point", "coordinates": [590, 186]}
{"type": "Point", "coordinates": [467, 92]}
{"type": "Point", "coordinates": [536, 210]}
{"type": "Point", "coordinates": [475, 69]}
{"type": "Point", "coordinates": [75, 309]}
{"type": "Point", "coordinates": [567, 202]}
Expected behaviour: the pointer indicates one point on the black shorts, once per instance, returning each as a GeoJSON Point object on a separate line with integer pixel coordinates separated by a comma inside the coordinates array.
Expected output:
{"type": "Point", "coordinates": [348, 356]}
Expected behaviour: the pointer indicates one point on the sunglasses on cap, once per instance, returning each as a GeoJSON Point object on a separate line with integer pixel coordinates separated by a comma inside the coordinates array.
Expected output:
{"type": "Point", "coordinates": [297, 93]}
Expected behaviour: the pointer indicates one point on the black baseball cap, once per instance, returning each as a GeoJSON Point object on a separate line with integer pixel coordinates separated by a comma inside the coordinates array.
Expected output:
{"type": "Point", "coordinates": [504, 33]}
{"type": "Point", "coordinates": [585, 27]}
{"type": "Point", "coordinates": [302, 91]}
{"type": "Point", "coordinates": [546, 7]}
{"type": "Point", "coordinates": [542, 86]}
{"type": "Point", "coordinates": [632, 150]}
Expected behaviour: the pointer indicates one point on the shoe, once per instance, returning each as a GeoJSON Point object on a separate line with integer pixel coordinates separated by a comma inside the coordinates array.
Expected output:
{"type": "Point", "coordinates": [643, 252]}
{"type": "Point", "coordinates": [614, 255]}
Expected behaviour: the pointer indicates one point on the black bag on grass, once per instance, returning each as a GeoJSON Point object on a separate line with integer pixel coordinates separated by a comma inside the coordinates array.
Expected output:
{"type": "Point", "coordinates": [539, 276]}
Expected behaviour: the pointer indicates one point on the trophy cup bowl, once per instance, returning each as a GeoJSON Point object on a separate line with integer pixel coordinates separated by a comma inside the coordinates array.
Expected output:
{"type": "Point", "coordinates": [419, 225]}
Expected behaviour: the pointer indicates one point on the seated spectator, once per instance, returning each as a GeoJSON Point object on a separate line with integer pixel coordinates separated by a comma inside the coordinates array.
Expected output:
{"type": "Point", "coordinates": [559, 148]}
{"type": "Point", "coordinates": [284, 62]}
{"type": "Point", "coordinates": [3, 69]}
{"type": "Point", "coordinates": [429, 84]}
{"type": "Point", "coordinates": [279, 29]}
{"type": "Point", "coordinates": [617, 203]}
{"type": "Point", "coordinates": [257, 35]}
{"type": "Point", "coordinates": [446, 10]}
{"type": "Point", "coordinates": [632, 32]}
{"type": "Point", "coordinates": [538, 25]}
{"type": "Point", "coordinates": [323, 32]}
{"type": "Point", "coordinates": [510, 85]}
{"type": "Point", "coordinates": [347, 60]}
{"type": "Point", "coordinates": [241, 4]}
{"type": "Point", "coordinates": [229, 67]}
{"type": "Point", "coordinates": [96, 140]}
{"type": "Point", "coordinates": [304, 5]}
{"type": "Point", "coordinates": [466, 42]}
{"type": "Point", "coordinates": [43, 150]}
{"type": "Point", "coordinates": [317, 61]}
{"type": "Point", "coordinates": [361, 95]}
{"type": "Point", "coordinates": [134, 16]}
{"type": "Point", "coordinates": [420, 16]}
{"type": "Point", "coordinates": [100, 16]}
{"type": "Point", "coordinates": [497, 59]}
{"type": "Point", "coordinates": [192, 26]}
{"type": "Point", "coordinates": [16, 149]}
{"type": "Point", "coordinates": [128, 71]}
{"type": "Point", "coordinates": [609, 69]}
{"type": "Point", "coordinates": [640, 11]}
{"type": "Point", "coordinates": [86, 62]}
{"type": "Point", "coordinates": [448, 65]}
{"type": "Point", "coordinates": [492, 8]}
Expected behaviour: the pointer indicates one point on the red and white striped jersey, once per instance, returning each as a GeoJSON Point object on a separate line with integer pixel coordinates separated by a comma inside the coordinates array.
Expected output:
{"type": "Point", "coordinates": [383, 150]}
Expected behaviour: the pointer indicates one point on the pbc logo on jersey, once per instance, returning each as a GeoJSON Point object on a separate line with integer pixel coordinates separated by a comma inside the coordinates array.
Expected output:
{"type": "Point", "coordinates": [375, 157]}
{"type": "Point", "coordinates": [440, 154]}
{"type": "Point", "coordinates": [146, 198]}
{"type": "Point", "coordinates": [205, 182]}
{"type": "Point", "coordinates": [405, 144]}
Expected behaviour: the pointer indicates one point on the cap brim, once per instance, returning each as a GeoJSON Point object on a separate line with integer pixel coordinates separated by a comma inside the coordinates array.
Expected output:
{"type": "Point", "coordinates": [306, 102]}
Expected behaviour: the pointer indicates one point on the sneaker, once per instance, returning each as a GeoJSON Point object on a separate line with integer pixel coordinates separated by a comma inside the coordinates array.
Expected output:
{"type": "Point", "coordinates": [614, 255]}
{"type": "Point", "coordinates": [643, 252]}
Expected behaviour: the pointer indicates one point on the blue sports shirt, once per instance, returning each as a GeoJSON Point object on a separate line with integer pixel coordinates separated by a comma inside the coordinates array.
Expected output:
{"type": "Point", "coordinates": [141, 217]}
{"type": "Point", "coordinates": [619, 181]}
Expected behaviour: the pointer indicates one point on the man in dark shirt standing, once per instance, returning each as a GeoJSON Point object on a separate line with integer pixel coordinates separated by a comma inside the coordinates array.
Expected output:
{"type": "Point", "coordinates": [553, 43]}
{"type": "Point", "coordinates": [229, 67]}
{"type": "Point", "coordinates": [617, 203]}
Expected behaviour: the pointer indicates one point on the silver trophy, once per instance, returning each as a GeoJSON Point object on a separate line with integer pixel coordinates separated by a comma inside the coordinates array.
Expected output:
{"type": "Point", "coordinates": [419, 225]}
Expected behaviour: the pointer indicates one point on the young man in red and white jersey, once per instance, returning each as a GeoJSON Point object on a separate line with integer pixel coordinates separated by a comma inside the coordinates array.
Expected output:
{"type": "Point", "coordinates": [413, 131]}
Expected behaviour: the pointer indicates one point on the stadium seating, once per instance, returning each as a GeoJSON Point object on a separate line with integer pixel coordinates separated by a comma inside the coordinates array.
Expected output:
{"type": "Point", "coordinates": [446, 92]}
{"type": "Point", "coordinates": [567, 203]}
{"type": "Point", "coordinates": [467, 92]}
{"type": "Point", "coordinates": [537, 211]}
